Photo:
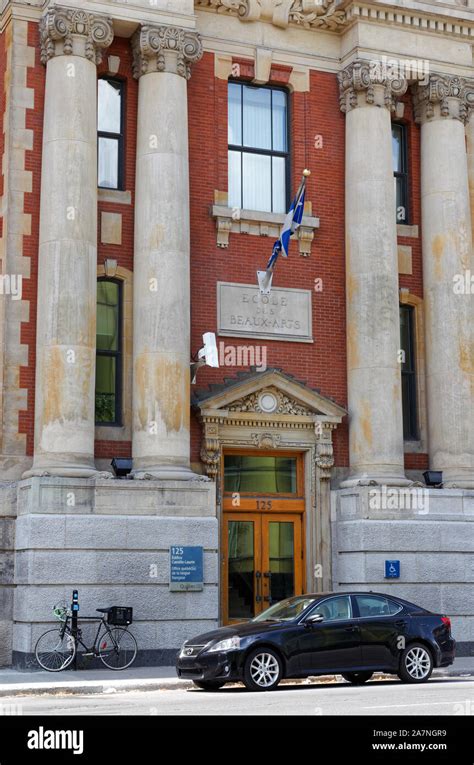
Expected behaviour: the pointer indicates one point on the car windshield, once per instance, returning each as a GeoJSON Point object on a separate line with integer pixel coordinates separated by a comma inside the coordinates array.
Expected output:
{"type": "Point", "coordinates": [285, 610]}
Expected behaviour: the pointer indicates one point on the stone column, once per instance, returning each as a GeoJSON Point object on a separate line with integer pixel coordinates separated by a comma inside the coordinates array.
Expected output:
{"type": "Point", "coordinates": [161, 302]}
{"type": "Point", "coordinates": [373, 326]}
{"type": "Point", "coordinates": [71, 45]}
{"type": "Point", "coordinates": [443, 107]}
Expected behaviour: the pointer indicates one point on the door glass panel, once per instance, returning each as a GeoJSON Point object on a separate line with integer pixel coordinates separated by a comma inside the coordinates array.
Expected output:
{"type": "Point", "coordinates": [262, 475]}
{"type": "Point", "coordinates": [241, 569]}
{"type": "Point", "coordinates": [281, 560]}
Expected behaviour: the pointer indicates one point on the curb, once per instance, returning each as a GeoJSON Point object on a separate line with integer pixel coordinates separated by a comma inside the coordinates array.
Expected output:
{"type": "Point", "coordinates": [107, 687]}
{"type": "Point", "coordinates": [94, 688]}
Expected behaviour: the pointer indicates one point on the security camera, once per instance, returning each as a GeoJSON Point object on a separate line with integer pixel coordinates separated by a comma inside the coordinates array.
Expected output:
{"type": "Point", "coordinates": [206, 356]}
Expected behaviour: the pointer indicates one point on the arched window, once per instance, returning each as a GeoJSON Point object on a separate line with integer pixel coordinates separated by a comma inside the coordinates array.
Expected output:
{"type": "Point", "coordinates": [110, 133]}
{"type": "Point", "coordinates": [108, 379]}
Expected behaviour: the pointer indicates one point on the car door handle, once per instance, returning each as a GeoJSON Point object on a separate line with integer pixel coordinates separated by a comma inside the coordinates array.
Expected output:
{"type": "Point", "coordinates": [350, 629]}
{"type": "Point", "coordinates": [401, 623]}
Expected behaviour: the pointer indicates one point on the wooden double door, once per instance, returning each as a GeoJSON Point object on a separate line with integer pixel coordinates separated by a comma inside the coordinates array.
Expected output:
{"type": "Point", "coordinates": [262, 541]}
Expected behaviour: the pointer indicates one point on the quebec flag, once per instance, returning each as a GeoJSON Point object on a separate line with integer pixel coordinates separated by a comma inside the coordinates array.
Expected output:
{"type": "Point", "coordinates": [292, 221]}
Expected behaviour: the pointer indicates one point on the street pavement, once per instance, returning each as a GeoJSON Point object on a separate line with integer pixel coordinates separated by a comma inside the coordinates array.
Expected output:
{"type": "Point", "coordinates": [440, 696]}
{"type": "Point", "coordinates": [91, 681]}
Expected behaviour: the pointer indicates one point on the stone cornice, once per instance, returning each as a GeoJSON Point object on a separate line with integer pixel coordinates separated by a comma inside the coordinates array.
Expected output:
{"type": "Point", "coordinates": [439, 21]}
{"type": "Point", "coordinates": [67, 31]}
{"type": "Point", "coordinates": [323, 14]}
{"type": "Point", "coordinates": [334, 15]}
{"type": "Point", "coordinates": [165, 49]}
{"type": "Point", "coordinates": [444, 96]}
{"type": "Point", "coordinates": [364, 82]}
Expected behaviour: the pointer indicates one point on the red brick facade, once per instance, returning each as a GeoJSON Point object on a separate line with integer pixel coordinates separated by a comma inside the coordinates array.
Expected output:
{"type": "Point", "coordinates": [317, 142]}
{"type": "Point", "coordinates": [36, 78]}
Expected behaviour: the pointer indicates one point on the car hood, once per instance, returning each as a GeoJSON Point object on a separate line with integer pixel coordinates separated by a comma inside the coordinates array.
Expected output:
{"type": "Point", "coordinates": [242, 629]}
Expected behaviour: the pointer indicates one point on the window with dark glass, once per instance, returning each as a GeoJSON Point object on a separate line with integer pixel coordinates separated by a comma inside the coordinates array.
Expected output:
{"type": "Point", "coordinates": [109, 353]}
{"type": "Point", "coordinates": [110, 133]}
{"type": "Point", "coordinates": [259, 474]}
{"type": "Point", "coordinates": [409, 398]}
{"type": "Point", "coordinates": [258, 148]}
{"type": "Point", "coordinates": [400, 171]}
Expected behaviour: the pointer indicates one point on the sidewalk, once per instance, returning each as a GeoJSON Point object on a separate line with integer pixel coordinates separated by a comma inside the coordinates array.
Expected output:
{"type": "Point", "coordinates": [15, 683]}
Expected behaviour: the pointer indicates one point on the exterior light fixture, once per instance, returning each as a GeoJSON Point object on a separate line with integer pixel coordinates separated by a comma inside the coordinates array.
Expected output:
{"type": "Point", "coordinates": [208, 355]}
{"type": "Point", "coordinates": [121, 466]}
{"type": "Point", "coordinates": [433, 477]}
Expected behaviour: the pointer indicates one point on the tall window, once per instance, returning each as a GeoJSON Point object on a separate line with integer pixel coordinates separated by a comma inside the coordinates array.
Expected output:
{"type": "Point", "coordinates": [258, 148]}
{"type": "Point", "coordinates": [400, 171]}
{"type": "Point", "coordinates": [108, 393]}
{"type": "Point", "coordinates": [110, 133]}
{"type": "Point", "coordinates": [409, 398]}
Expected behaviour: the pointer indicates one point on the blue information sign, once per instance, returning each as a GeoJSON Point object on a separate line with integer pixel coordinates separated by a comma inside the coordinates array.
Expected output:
{"type": "Point", "coordinates": [392, 569]}
{"type": "Point", "coordinates": [186, 568]}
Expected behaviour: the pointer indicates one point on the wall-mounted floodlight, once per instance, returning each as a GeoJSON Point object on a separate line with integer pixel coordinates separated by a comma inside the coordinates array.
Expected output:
{"type": "Point", "coordinates": [433, 477]}
{"type": "Point", "coordinates": [121, 466]}
{"type": "Point", "coordinates": [206, 356]}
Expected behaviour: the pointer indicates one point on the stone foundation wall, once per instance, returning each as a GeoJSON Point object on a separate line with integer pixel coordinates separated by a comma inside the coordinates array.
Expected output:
{"type": "Point", "coordinates": [110, 540]}
{"type": "Point", "coordinates": [433, 539]}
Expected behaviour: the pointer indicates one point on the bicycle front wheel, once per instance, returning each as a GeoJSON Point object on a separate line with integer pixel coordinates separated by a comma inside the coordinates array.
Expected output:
{"type": "Point", "coordinates": [55, 651]}
{"type": "Point", "coordinates": [117, 648]}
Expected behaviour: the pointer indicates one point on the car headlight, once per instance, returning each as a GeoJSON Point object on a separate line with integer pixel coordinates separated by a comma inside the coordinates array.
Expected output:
{"type": "Point", "coordinates": [229, 644]}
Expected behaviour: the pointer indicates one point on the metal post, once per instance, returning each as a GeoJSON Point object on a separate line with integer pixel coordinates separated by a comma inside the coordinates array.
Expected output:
{"type": "Point", "coordinates": [74, 611]}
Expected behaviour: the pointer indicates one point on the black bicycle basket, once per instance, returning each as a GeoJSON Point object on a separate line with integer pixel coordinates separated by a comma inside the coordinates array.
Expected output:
{"type": "Point", "coordinates": [121, 616]}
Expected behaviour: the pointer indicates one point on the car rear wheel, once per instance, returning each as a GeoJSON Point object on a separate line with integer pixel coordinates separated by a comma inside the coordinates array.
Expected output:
{"type": "Point", "coordinates": [263, 670]}
{"type": "Point", "coordinates": [416, 664]}
{"type": "Point", "coordinates": [357, 678]}
{"type": "Point", "coordinates": [209, 685]}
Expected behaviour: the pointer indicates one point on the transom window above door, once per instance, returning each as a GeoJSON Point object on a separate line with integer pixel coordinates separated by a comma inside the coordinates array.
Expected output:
{"type": "Point", "coordinates": [258, 148]}
{"type": "Point", "coordinates": [260, 474]}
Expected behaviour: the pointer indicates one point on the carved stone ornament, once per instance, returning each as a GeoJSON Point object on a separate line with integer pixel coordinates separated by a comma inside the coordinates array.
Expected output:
{"type": "Point", "coordinates": [266, 440]}
{"type": "Point", "coordinates": [210, 450]}
{"type": "Point", "coordinates": [284, 405]}
{"type": "Point", "coordinates": [61, 29]}
{"type": "Point", "coordinates": [324, 451]}
{"type": "Point", "coordinates": [307, 13]}
{"type": "Point", "coordinates": [444, 96]}
{"type": "Point", "coordinates": [153, 48]}
{"type": "Point", "coordinates": [379, 87]}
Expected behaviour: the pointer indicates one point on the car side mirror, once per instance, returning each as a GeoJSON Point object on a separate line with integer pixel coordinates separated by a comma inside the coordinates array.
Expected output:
{"type": "Point", "coordinates": [314, 619]}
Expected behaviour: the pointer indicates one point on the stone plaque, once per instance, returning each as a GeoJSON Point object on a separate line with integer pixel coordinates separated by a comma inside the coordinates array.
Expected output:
{"type": "Point", "coordinates": [284, 314]}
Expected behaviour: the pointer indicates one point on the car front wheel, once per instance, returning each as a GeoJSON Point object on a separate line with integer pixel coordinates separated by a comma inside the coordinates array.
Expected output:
{"type": "Point", "coordinates": [263, 670]}
{"type": "Point", "coordinates": [357, 678]}
{"type": "Point", "coordinates": [416, 664]}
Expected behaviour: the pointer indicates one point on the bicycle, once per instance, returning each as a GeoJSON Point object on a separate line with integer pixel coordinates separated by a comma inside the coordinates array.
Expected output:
{"type": "Point", "coordinates": [56, 649]}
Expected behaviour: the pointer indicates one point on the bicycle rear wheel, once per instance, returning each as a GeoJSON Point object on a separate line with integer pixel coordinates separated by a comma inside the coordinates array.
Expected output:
{"type": "Point", "coordinates": [117, 648]}
{"type": "Point", "coordinates": [55, 651]}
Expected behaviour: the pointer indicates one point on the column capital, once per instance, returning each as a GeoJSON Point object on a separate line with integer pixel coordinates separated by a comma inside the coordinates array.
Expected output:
{"type": "Point", "coordinates": [444, 95]}
{"type": "Point", "coordinates": [165, 49]}
{"type": "Point", "coordinates": [69, 31]}
{"type": "Point", "coordinates": [366, 82]}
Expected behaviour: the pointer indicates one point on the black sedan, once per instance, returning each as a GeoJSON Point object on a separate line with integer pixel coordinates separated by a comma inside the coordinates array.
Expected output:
{"type": "Point", "coordinates": [353, 634]}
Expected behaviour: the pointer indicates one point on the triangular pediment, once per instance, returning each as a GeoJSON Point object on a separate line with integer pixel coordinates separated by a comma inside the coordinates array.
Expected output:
{"type": "Point", "coordinates": [271, 392]}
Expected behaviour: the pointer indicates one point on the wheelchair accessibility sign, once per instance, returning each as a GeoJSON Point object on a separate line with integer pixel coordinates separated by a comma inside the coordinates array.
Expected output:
{"type": "Point", "coordinates": [392, 569]}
